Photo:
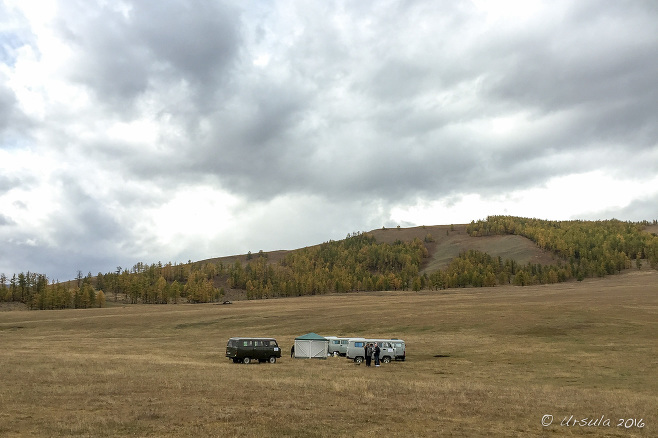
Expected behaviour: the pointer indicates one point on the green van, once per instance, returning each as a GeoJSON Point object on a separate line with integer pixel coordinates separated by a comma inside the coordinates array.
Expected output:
{"type": "Point", "coordinates": [245, 350]}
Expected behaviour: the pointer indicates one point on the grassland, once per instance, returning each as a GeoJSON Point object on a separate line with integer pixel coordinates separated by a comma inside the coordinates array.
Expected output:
{"type": "Point", "coordinates": [481, 362]}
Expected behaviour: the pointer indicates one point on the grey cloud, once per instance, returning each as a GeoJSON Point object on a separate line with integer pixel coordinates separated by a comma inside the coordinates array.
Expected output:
{"type": "Point", "coordinates": [7, 183]}
{"type": "Point", "coordinates": [7, 106]}
{"type": "Point", "coordinates": [638, 210]}
{"type": "Point", "coordinates": [198, 42]}
{"type": "Point", "coordinates": [6, 220]}
{"type": "Point", "coordinates": [251, 145]}
{"type": "Point", "coordinates": [59, 264]}
{"type": "Point", "coordinates": [597, 62]}
{"type": "Point", "coordinates": [123, 54]}
{"type": "Point", "coordinates": [391, 89]}
{"type": "Point", "coordinates": [82, 216]}
{"type": "Point", "coordinates": [13, 123]}
{"type": "Point", "coordinates": [108, 61]}
{"type": "Point", "coordinates": [82, 234]}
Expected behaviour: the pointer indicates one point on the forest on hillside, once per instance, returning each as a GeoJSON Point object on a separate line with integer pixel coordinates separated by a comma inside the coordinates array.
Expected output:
{"type": "Point", "coordinates": [357, 263]}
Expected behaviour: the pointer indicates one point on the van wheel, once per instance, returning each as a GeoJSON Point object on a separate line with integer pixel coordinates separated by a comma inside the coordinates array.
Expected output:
{"type": "Point", "coordinates": [272, 359]}
{"type": "Point", "coordinates": [246, 360]}
{"type": "Point", "coordinates": [358, 359]}
{"type": "Point", "coordinates": [386, 359]}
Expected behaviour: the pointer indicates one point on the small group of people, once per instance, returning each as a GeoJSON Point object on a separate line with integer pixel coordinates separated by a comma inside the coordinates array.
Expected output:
{"type": "Point", "coordinates": [372, 351]}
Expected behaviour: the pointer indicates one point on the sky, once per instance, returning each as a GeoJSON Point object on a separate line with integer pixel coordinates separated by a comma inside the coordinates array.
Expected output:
{"type": "Point", "coordinates": [141, 131]}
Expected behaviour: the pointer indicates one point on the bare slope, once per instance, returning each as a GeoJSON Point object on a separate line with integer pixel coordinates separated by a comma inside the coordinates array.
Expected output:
{"type": "Point", "coordinates": [653, 229]}
{"type": "Point", "coordinates": [447, 241]}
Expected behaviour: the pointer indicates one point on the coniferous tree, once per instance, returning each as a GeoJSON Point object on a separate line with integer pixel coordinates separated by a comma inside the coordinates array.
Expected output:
{"type": "Point", "coordinates": [100, 299]}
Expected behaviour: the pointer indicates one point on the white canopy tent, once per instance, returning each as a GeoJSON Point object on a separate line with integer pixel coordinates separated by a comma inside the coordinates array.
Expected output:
{"type": "Point", "coordinates": [311, 345]}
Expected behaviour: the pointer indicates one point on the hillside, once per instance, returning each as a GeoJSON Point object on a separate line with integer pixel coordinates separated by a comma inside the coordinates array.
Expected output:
{"type": "Point", "coordinates": [498, 251]}
{"type": "Point", "coordinates": [443, 243]}
{"type": "Point", "coordinates": [447, 242]}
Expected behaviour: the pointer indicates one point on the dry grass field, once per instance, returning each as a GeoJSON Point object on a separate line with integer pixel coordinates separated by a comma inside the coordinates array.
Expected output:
{"type": "Point", "coordinates": [481, 362]}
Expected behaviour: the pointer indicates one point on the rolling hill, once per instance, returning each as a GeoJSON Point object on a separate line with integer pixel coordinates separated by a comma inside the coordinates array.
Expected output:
{"type": "Point", "coordinates": [447, 242]}
{"type": "Point", "coordinates": [497, 251]}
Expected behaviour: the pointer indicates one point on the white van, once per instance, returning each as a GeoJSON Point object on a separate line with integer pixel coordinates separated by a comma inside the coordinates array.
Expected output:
{"type": "Point", "coordinates": [337, 345]}
{"type": "Point", "coordinates": [390, 349]}
{"type": "Point", "coordinates": [400, 349]}
{"type": "Point", "coordinates": [356, 349]}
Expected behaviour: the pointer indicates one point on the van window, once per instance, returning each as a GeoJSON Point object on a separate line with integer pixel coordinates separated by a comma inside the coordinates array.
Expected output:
{"type": "Point", "coordinates": [266, 343]}
{"type": "Point", "coordinates": [248, 343]}
{"type": "Point", "coordinates": [232, 343]}
{"type": "Point", "coordinates": [258, 343]}
{"type": "Point", "coordinates": [335, 342]}
{"type": "Point", "coordinates": [344, 342]}
{"type": "Point", "coordinates": [359, 344]}
{"type": "Point", "coordinates": [398, 345]}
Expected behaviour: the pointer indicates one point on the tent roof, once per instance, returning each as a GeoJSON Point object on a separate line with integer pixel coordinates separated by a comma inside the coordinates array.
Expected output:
{"type": "Point", "coordinates": [311, 337]}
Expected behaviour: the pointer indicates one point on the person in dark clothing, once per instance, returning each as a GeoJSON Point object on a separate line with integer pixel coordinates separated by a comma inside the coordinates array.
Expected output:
{"type": "Point", "coordinates": [368, 353]}
{"type": "Point", "coordinates": [376, 352]}
{"type": "Point", "coordinates": [292, 351]}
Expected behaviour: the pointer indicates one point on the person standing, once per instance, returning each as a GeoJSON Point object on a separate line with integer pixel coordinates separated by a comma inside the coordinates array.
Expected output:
{"type": "Point", "coordinates": [376, 352]}
{"type": "Point", "coordinates": [368, 353]}
{"type": "Point", "coordinates": [292, 351]}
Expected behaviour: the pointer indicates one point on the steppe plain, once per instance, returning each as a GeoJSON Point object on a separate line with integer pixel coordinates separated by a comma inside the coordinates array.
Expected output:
{"type": "Point", "coordinates": [580, 357]}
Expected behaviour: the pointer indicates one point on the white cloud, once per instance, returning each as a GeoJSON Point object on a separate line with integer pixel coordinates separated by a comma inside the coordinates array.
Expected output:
{"type": "Point", "coordinates": [577, 196]}
{"type": "Point", "coordinates": [515, 11]}
{"type": "Point", "coordinates": [196, 212]}
{"type": "Point", "coordinates": [31, 200]}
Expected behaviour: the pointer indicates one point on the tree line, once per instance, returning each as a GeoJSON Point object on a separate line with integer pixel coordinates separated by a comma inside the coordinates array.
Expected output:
{"type": "Point", "coordinates": [356, 263]}
{"type": "Point", "coordinates": [36, 291]}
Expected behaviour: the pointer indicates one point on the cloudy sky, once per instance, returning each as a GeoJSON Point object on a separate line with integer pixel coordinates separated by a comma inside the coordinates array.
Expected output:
{"type": "Point", "coordinates": [182, 130]}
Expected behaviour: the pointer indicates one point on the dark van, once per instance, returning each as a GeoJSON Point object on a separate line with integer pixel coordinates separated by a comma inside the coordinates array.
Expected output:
{"type": "Point", "coordinates": [245, 350]}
